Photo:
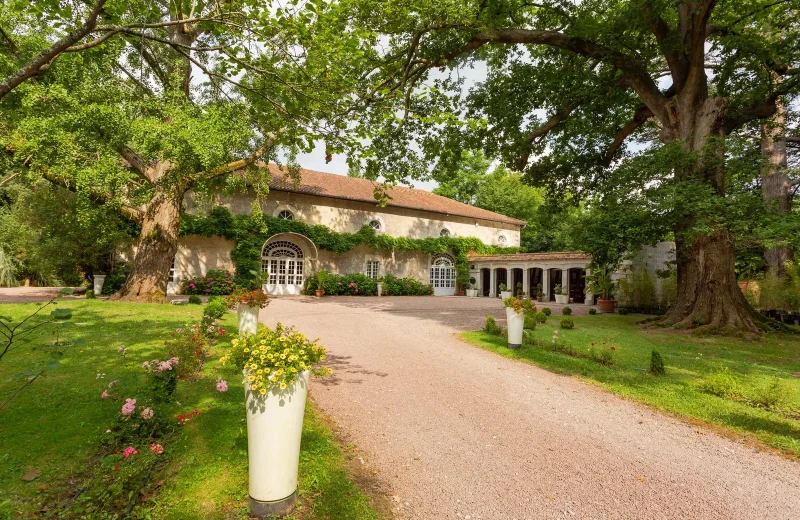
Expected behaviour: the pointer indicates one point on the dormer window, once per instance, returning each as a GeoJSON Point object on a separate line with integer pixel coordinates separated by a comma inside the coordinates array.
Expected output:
{"type": "Point", "coordinates": [285, 215]}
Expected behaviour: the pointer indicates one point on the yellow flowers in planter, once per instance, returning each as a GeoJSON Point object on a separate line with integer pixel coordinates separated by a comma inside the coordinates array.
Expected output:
{"type": "Point", "coordinates": [275, 357]}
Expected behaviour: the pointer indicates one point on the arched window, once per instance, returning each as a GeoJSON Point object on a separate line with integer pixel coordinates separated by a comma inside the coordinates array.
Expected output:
{"type": "Point", "coordinates": [375, 224]}
{"type": "Point", "coordinates": [444, 232]}
{"type": "Point", "coordinates": [283, 260]}
{"type": "Point", "coordinates": [443, 272]}
{"type": "Point", "coordinates": [285, 214]}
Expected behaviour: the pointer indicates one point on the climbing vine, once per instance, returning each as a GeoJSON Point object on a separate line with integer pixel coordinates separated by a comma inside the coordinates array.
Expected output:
{"type": "Point", "coordinates": [249, 232]}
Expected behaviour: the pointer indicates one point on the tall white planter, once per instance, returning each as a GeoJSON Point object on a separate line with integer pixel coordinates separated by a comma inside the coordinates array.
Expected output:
{"type": "Point", "coordinates": [516, 322]}
{"type": "Point", "coordinates": [380, 288]}
{"type": "Point", "coordinates": [505, 294]}
{"type": "Point", "coordinates": [97, 286]}
{"type": "Point", "coordinates": [562, 298]}
{"type": "Point", "coordinates": [248, 319]}
{"type": "Point", "coordinates": [472, 293]}
{"type": "Point", "coordinates": [274, 428]}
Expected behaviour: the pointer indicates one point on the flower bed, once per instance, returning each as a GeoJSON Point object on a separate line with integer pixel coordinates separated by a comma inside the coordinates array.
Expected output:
{"type": "Point", "coordinates": [358, 284]}
{"type": "Point", "coordinates": [214, 283]}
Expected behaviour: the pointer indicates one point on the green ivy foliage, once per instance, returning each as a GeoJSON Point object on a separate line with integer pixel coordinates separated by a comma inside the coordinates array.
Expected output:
{"type": "Point", "coordinates": [249, 232]}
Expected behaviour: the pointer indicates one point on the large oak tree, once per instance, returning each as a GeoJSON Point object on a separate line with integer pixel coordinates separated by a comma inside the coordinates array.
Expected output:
{"type": "Point", "coordinates": [570, 85]}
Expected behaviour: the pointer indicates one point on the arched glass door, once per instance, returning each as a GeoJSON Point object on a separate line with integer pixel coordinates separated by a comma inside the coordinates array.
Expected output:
{"type": "Point", "coordinates": [443, 275]}
{"type": "Point", "coordinates": [284, 262]}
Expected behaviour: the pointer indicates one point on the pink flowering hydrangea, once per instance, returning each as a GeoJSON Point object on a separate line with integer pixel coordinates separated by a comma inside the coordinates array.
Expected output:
{"type": "Point", "coordinates": [147, 414]}
{"type": "Point", "coordinates": [130, 450]}
{"type": "Point", "coordinates": [163, 366]}
{"type": "Point", "coordinates": [128, 407]}
{"type": "Point", "coordinates": [222, 386]}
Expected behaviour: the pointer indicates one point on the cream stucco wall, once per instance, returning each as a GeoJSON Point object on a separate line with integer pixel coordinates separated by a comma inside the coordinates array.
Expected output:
{"type": "Point", "coordinates": [349, 216]}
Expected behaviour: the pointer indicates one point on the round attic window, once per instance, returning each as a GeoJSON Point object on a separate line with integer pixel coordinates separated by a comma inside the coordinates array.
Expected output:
{"type": "Point", "coordinates": [501, 240]}
{"type": "Point", "coordinates": [375, 224]}
{"type": "Point", "coordinates": [444, 232]}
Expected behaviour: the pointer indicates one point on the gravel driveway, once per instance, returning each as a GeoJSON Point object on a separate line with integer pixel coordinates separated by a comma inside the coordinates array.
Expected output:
{"type": "Point", "coordinates": [458, 432]}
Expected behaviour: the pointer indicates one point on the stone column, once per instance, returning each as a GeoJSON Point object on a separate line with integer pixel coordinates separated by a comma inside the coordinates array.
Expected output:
{"type": "Point", "coordinates": [546, 283]}
{"type": "Point", "coordinates": [526, 281]}
{"type": "Point", "coordinates": [565, 282]}
{"type": "Point", "coordinates": [492, 282]}
{"type": "Point", "coordinates": [589, 295]}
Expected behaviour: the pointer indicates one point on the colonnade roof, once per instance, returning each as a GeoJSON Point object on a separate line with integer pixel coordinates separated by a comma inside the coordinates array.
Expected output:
{"type": "Point", "coordinates": [531, 257]}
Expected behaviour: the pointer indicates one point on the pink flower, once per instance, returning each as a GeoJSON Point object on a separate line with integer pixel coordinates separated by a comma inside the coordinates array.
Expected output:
{"type": "Point", "coordinates": [104, 395]}
{"type": "Point", "coordinates": [173, 361]}
{"type": "Point", "coordinates": [222, 386]}
{"type": "Point", "coordinates": [130, 450]}
{"type": "Point", "coordinates": [128, 407]}
{"type": "Point", "coordinates": [163, 366]}
{"type": "Point", "coordinates": [147, 414]}
{"type": "Point", "coordinates": [156, 449]}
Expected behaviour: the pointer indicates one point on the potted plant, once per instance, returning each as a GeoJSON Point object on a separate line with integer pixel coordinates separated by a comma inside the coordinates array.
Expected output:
{"type": "Point", "coordinates": [276, 365]}
{"type": "Point", "coordinates": [380, 286]}
{"type": "Point", "coordinates": [560, 298]}
{"type": "Point", "coordinates": [248, 303]}
{"type": "Point", "coordinates": [472, 292]}
{"type": "Point", "coordinates": [516, 308]}
{"type": "Point", "coordinates": [504, 292]}
{"type": "Point", "coordinates": [539, 293]}
{"type": "Point", "coordinates": [520, 292]}
{"type": "Point", "coordinates": [97, 283]}
{"type": "Point", "coordinates": [601, 283]}
{"type": "Point", "coordinates": [322, 276]}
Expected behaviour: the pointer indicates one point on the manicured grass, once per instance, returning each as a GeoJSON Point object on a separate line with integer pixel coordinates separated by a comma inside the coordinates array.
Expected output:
{"type": "Point", "coordinates": [689, 362]}
{"type": "Point", "coordinates": [56, 425]}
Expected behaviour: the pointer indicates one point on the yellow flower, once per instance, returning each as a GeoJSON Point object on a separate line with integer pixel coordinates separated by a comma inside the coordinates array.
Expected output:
{"type": "Point", "coordinates": [251, 378]}
{"type": "Point", "coordinates": [246, 350]}
{"type": "Point", "coordinates": [262, 391]}
{"type": "Point", "coordinates": [235, 342]}
{"type": "Point", "coordinates": [273, 379]}
{"type": "Point", "coordinates": [259, 371]}
{"type": "Point", "coordinates": [253, 366]}
{"type": "Point", "coordinates": [283, 385]}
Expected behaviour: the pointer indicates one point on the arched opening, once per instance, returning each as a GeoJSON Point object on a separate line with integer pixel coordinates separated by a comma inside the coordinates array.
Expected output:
{"type": "Point", "coordinates": [516, 285]}
{"type": "Point", "coordinates": [500, 278]}
{"type": "Point", "coordinates": [443, 275]}
{"type": "Point", "coordinates": [535, 275]}
{"type": "Point", "coordinates": [577, 285]}
{"type": "Point", "coordinates": [486, 283]}
{"type": "Point", "coordinates": [284, 260]}
{"type": "Point", "coordinates": [555, 279]}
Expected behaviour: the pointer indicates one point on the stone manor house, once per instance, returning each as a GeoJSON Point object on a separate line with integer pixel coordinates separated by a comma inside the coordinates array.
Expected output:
{"type": "Point", "coordinates": [345, 204]}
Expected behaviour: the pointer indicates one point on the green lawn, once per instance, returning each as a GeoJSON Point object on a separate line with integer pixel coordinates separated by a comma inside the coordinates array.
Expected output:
{"type": "Point", "coordinates": [689, 362]}
{"type": "Point", "coordinates": [55, 426]}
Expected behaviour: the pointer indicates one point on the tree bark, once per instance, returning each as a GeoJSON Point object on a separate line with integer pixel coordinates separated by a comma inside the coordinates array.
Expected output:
{"type": "Point", "coordinates": [776, 186]}
{"type": "Point", "coordinates": [155, 248]}
{"type": "Point", "coordinates": [708, 296]}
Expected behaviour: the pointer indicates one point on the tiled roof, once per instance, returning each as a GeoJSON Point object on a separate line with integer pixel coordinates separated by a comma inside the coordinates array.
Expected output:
{"type": "Point", "coordinates": [530, 257]}
{"type": "Point", "coordinates": [362, 190]}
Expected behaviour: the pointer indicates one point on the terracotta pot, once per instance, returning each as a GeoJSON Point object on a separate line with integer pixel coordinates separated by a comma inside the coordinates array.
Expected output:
{"type": "Point", "coordinates": [320, 293]}
{"type": "Point", "coordinates": [607, 305]}
{"type": "Point", "coordinates": [539, 298]}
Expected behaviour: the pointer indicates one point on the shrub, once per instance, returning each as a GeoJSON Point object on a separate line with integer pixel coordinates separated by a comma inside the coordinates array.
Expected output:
{"type": "Point", "coordinates": [359, 284]}
{"type": "Point", "coordinates": [530, 320]}
{"type": "Point", "coordinates": [547, 311]}
{"type": "Point", "coordinates": [623, 311]}
{"type": "Point", "coordinates": [771, 396]}
{"type": "Point", "coordinates": [215, 282]}
{"type": "Point", "coordinates": [491, 327]}
{"type": "Point", "coordinates": [90, 295]}
{"type": "Point", "coordinates": [215, 308]}
{"type": "Point", "coordinates": [722, 384]}
{"type": "Point", "coordinates": [604, 357]}
{"type": "Point", "coordinates": [656, 363]}
{"type": "Point", "coordinates": [541, 317]}
{"type": "Point", "coordinates": [566, 311]}
{"type": "Point", "coordinates": [195, 299]}
{"type": "Point", "coordinates": [592, 311]}
{"type": "Point", "coordinates": [188, 345]}
{"type": "Point", "coordinates": [115, 280]}
{"type": "Point", "coordinates": [567, 323]}
{"type": "Point", "coordinates": [164, 378]}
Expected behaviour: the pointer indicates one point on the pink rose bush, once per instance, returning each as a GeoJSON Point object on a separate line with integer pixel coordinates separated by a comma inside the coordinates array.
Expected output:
{"type": "Point", "coordinates": [222, 386]}
{"type": "Point", "coordinates": [129, 407]}
{"type": "Point", "coordinates": [130, 450]}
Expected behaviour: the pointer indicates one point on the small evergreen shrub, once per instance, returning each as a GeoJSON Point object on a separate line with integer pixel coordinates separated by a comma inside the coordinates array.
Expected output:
{"type": "Point", "coordinates": [623, 311]}
{"type": "Point", "coordinates": [193, 298]}
{"type": "Point", "coordinates": [90, 295]}
{"type": "Point", "coordinates": [567, 323]}
{"type": "Point", "coordinates": [722, 384]}
{"type": "Point", "coordinates": [566, 311]}
{"type": "Point", "coordinates": [541, 317]}
{"type": "Point", "coordinates": [547, 311]}
{"type": "Point", "coordinates": [770, 396]}
{"type": "Point", "coordinates": [491, 327]}
{"type": "Point", "coordinates": [656, 363]}
{"type": "Point", "coordinates": [115, 280]}
{"type": "Point", "coordinates": [530, 321]}
{"type": "Point", "coordinates": [215, 308]}
{"type": "Point", "coordinates": [592, 311]}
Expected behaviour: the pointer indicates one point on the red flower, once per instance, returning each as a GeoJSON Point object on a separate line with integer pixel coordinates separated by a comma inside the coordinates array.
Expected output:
{"type": "Point", "coordinates": [613, 348]}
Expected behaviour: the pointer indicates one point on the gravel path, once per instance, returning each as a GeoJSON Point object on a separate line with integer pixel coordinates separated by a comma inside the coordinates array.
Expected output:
{"type": "Point", "coordinates": [458, 432]}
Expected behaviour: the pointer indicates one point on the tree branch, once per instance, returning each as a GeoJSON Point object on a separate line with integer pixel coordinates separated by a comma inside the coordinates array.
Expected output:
{"type": "Point", "coordinates": [237, 165]}
{"type": "Point", "coordinates": [128, 212]}
{"type": "Point", "coordinates": [544, 129]}
{"type": "Point", "coordinates": [42, 61]}
{"type": "Point", "coordinates": [640, 116]}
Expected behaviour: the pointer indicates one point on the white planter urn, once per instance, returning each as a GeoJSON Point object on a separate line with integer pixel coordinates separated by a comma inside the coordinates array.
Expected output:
{"type": "Point", "coordinates": [380, 288]}
{"type": "Point", "coordinates": [274, 428]}
{"type": "Point", "coordinates": [562, 298]}
{"type": "Point", "coordinates": [472, 293]}
{"type": "Point", "coordinates": [97, 286]}
{"type": "Point", "coordinates": [516, 323]}
{"type": "Point", "coordinates": [248, 319]}
{"type": "Point", "coordinates": [505, 294]}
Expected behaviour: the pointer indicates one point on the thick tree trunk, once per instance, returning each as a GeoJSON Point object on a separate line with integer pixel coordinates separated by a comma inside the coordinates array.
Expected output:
{"type": "Point", "coordinates": [154, 249]}
{"type": "Point", "coordinates": [708, 295]}
{"type": "Point", "coordinates": [776, 186]}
